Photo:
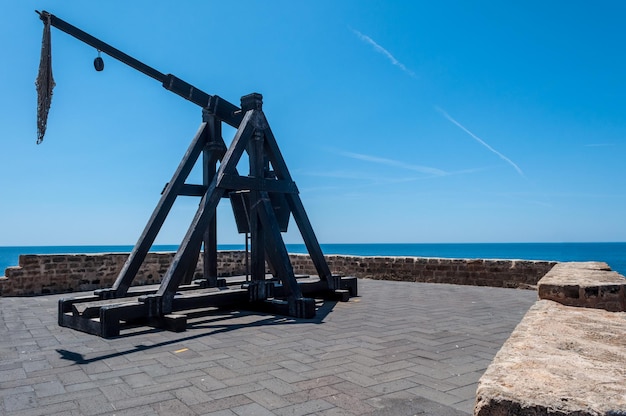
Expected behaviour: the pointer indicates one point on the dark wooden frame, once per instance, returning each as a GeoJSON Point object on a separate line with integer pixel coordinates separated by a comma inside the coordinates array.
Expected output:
{"type": "Point", "coordinates": [268, 180]}
{"type": "Point", "coordinates": [104, 313]}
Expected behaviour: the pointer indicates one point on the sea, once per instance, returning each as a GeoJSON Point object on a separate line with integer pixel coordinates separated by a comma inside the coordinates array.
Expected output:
{"type": "Point", "coordinates": [614, 254]}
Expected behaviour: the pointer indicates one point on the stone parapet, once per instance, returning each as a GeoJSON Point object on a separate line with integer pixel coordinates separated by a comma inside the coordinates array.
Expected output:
{"type": "Point", "coordinates": [560, 360]}
{"type": "Point", "coordinates": [474, 272]}
{"type": "Point", "coordinates": [568, 355]}
{"type": "Point", "coordinates": [61, 273]}
{"type": "Point", "coordinates": [584, 284]}
{"type": "Point", "coordinates": [41, 274]}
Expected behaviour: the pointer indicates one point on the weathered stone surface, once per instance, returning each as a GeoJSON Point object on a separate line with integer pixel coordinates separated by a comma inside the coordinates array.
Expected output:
{"type": "Point", "coordinates": [559, 360]}
{"type": "Point", "coordinates": [475, 272]}
{"type": "Point", "coordinates": [584, 284]}
{"type": "Point", "coordinates": [58, 273]}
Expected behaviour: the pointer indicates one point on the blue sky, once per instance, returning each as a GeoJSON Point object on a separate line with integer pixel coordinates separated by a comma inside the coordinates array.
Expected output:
{"type": "Point", "coordinates": [422, 122]}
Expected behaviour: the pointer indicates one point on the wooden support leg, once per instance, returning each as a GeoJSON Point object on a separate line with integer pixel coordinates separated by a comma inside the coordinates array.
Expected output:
{"type": "Point", "coordinates": [213, 151]}
{"type": "Point", "coordinates": [187, 251]}
{"type": "Point", "coordinates": [312, 245]}
{"type": "Point", "coordinates": [299, 214]}
{"type": "Point", "coordinates": [276, 251]}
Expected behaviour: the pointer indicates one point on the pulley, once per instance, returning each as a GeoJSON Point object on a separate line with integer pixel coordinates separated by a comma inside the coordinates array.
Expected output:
{"type": "Point", "coordinates": [98, 63]}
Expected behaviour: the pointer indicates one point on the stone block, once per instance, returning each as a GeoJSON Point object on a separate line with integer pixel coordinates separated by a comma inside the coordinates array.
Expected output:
{"type": "Point", "coordinates": [584, 284]}
{"type": "Point", "coordinates": [560, 360]}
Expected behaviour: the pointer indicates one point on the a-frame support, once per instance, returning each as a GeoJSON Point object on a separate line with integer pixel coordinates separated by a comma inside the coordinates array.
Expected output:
{"type": "Point", "coordinates": [267, 181]}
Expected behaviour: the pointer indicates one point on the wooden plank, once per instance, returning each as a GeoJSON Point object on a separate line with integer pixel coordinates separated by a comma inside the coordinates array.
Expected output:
{"type": "Point", "coordinates": [230, 297]}
{"type": "Point", "coordinates": [238, 183]}
{"type": "Point", "coordinates": [92, 309]}
{"type": "Point", "coordinates": [185, 254]}
{"type": "Point", "coordinates": [257, 170]}
{"type": "Point", "coordinates": [257, 239]}
{"type": "Point", "coordinates": [226, 111]}
{"type": "Point", "coordinates": [89, 326]}
{"type": "Point", "coordinates": [192, 190]}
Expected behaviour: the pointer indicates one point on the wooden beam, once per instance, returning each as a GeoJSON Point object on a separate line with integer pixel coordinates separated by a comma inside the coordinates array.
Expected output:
{"type": "Point", "coordinates": [241, 183]}
{"type": "Point", "coordinates": [213, 152]}
{"type": "Point", "coordinates": [297, 208]}
{"type": "Point", "coordinates": [276, 251]}
{"type": "Point", "coordinates": [189, 247]}
{"type": "Point", "coordinates": [192, 190]}
{"type": "Point", "coordinates": [257, 171]}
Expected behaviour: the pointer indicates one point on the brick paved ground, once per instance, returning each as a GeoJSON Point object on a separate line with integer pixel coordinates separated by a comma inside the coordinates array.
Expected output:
{"type": "Point", "coordinates": [398, 349]}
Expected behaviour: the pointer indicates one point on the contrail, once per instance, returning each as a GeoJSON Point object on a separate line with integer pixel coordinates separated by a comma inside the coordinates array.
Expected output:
{"type": "Point", "coordinates": [599, 144]}
{"type": "Point", "coordinates": [396, 163]}
{"type": "Point", "coordinates": [479, 140]}
{"type": "Point", "coordinates": [384, 51]}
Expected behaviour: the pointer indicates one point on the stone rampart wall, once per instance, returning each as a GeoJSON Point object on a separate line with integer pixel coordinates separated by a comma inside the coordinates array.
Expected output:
{"type": "Point", "coordinates": [64, 273]}
{"type": "Point", "coordinates": [474, 272]}
{"type": "Point", "coordinates": [568, 355]}
{"type": "Point", "coordinates": [586, 285]}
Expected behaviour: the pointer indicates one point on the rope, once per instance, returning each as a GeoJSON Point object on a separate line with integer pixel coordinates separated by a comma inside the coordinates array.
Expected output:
{"type": "Point", "coordinates": [44, 82]}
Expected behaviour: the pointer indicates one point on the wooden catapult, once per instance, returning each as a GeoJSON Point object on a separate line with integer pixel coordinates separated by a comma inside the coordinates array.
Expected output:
{"type": "Point", "coordinates": [262, 202]}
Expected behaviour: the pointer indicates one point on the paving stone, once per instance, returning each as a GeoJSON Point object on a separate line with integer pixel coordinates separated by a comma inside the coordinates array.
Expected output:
{"type": "Point", "coordinates": [252, 409]}
{"type": "Point", "coordinates": [117, 392]}
{"type": "Point", "coordinates": [19, 401]}
{"type": "Point", "coordinates": [135, 411]}
{"type": "Point", "coordinates": [49, 388]}
{"type": "Point", "coordinates": [393, 386]}
{"type": "Point", "coordinates": [318, 382]}
{"type": "Point", "coordinates": [13, 374]}
{"type": "Point", "coordinates": [278, 386]}
{"type": "Point", "coordinates": [391, 406]}
{"type": "Point", "coordinates": [306, 408]}
{"type": "Point", "coordinates": [191, 395]}
{"type": "Point", "coordinates": [80, 386]}
{"type": "Point", "coordinates": [358, 378]}
{"type": "Point", "coordinates": [46, 410]}
{"type": "Point", "coordinates": [235, 390]}
{"type": "Point", "coordinates": [349, 403]}
{"type": "Point", "coordinates": [138, 380]}
{"type": "Point", "coordinates": [69, 396]}
{"type": "Point", "coordinates": [95, 405]}
{"type": "Point", "coordinates": [148, 399]}
{"type": "Point", "coordinates": [173, 407]}
{"type": "Point", "coordinates": [226, 412]}
{"type": "Point", "coordinates": [435, 395]}
{"type": "Point", "coordinates": [223, 404]}
{"type": "Point", "coordinates": [399, 347]}
{"type": "Point", "coordinates": [308, 395]}
{"type": "Point", "coordinates": [248, 378]}
{"type": "Point", "coordinates": [268, 399]}
{"type": "Point", "coordinates": [207, 383]}
{"type": "Point", "coordinates": [69, 377]}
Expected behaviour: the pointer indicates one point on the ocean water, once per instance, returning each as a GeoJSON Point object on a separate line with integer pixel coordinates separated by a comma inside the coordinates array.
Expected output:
{"type": "Point", "coordinates": [612, 253]}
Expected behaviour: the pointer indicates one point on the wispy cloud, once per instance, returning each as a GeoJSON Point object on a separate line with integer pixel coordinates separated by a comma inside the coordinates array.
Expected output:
{"type": "Point", "coordinates": [383, 51]}
{"type": "Point", "coordinates": [479, 140]}
{"type": "Point", "coordinates": [599, 145]}
{"type": "Point", "coordinates": [395, 163]}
